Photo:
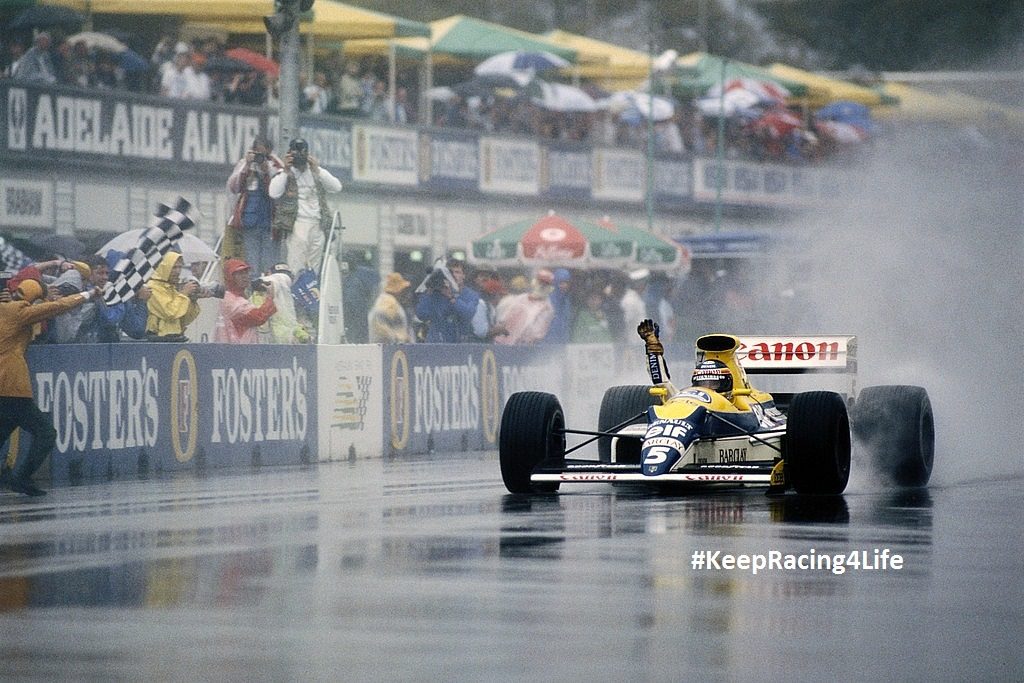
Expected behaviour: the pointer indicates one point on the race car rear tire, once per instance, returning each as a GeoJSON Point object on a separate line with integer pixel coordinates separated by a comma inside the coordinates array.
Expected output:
{"type": "Point", "coordinates": [530, 433]}
{"type": "Point", "coordinates": [817, 454]}
{"type": "Point", "coordinates": [896, 426]}
{"type": "Point", "coordinates": [618, 405]}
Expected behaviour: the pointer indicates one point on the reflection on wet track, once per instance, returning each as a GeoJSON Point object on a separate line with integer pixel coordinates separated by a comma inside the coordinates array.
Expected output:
{"type": "Point", "coordinates": [425, 569]}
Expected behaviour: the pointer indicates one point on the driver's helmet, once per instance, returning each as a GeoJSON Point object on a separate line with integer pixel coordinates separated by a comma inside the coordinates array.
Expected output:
{"type": "Point", "coordinates": [714, 375]}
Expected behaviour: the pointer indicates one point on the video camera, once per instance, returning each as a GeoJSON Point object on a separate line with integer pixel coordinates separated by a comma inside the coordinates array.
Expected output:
{"type": "Point", "coordinates": [214, 291]}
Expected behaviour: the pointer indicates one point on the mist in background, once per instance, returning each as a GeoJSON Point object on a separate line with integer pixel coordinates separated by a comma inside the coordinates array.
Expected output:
{"type": "Point", "coordinates": [923, 262]}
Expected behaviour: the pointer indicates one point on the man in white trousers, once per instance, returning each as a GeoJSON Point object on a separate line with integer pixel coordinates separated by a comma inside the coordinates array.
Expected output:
{"type": "Point", "coordinates": [302, 216]}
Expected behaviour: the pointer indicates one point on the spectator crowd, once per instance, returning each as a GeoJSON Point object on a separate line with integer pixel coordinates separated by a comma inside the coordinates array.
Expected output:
{"type": "Point", "coordinates": [202, 70]}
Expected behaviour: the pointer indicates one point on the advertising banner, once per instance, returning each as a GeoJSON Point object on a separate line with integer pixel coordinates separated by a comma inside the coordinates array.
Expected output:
{"type": "Point", "coordinates": [449, 161]}
{"type": "Point", "coordinates": [129, 409]}
{"type": "Point", "coordinates": [509, 166]}
{"type": "Point", "coordinates": [51, 123]}
{"type": "Point", "coordinates": [567, 172]}
{"type": "Point", "coordinates": [26, 203]}
{"type": "Point", "coordinates": [350, 389]}
{"type": "Point", "coordinates": [619, 175]}
{"type": "Point", "coordinates": [673, 181]}
{"type": "Point", "coordinates": [449, 397]}
{"type": "Point", "coordinates": [388, 156]}
{"type": "Point", "coordinates": [754, 184]}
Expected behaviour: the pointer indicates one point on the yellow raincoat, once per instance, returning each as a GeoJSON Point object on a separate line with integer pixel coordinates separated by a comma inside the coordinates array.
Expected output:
{"type": "Point", "coordinates": [16, 321]}
{"type": "Point", "coordinates": [170, 311]}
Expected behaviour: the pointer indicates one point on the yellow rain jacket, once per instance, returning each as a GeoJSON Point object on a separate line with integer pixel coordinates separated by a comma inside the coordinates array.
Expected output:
{"type": "Point", "coordinates": [170, 311]}
{"type": "Point", "coordinates": [17, 319]}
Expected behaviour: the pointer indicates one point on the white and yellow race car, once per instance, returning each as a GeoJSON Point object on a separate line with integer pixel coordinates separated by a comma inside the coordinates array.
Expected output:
{"type": "Point", "coordinates": [721, 430]}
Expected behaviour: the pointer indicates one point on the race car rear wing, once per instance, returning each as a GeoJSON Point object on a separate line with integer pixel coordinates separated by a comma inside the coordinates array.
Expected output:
{"type": "Point", "coordinates": [789, 365]}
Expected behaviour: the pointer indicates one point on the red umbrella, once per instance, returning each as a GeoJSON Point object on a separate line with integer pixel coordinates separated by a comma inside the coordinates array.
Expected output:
{"type": "Point", "coordinates": [553, 238]}
{"type": "Point", "coordinates": [255, 60]}
{"type": "Point", "coordinates": [779, 122]}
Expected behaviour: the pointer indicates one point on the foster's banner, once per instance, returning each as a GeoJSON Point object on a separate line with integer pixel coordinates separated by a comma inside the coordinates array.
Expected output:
{"type": "Point", "coordinates": [449, 397]}
{"type": "Point", "coordinates": [124, 409]}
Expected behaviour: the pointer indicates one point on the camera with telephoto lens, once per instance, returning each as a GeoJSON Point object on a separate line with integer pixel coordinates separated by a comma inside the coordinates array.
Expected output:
{"type": "Point", "coordinates": [299, 150]}
{"type": "Point", "coordinates": [259, 158]}
{"type": "Point", "coordinates": [260, 284]}
{"type": "Point", "coordinates": [211, 291]}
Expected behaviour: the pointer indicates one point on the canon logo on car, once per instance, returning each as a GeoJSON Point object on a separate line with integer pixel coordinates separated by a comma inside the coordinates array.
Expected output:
{"type": "Point", "coordinates": [796, 351]}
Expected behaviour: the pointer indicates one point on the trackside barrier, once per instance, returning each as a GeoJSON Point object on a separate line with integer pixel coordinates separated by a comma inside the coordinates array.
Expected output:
{"type": "Point", "coordinates": [131, 409]}
{"type": "Point", "coordinates": [449, 397]}
{"type": "Point", "coordinates": [350, 401]}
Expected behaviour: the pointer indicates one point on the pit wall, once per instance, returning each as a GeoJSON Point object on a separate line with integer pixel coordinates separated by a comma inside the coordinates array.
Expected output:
{"type": "Point", "coordinates": [133, 409]}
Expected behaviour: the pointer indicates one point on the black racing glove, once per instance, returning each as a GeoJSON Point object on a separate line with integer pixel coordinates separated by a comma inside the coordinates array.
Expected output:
{"type": "Point", "coordinates": [648, 331]}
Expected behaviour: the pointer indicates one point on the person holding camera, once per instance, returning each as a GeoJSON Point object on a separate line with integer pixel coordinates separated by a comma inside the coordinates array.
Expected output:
{"type": "Point", "coordinates": [239, 317]}
{"type": "Point", "coordinates": [302, 216]}
{"type": "Point", "coordinates": [446, 305]}
{"type": "Point", "coordinates": [251, 221]}
{"type": "Point", "coordinates": [172, 304]}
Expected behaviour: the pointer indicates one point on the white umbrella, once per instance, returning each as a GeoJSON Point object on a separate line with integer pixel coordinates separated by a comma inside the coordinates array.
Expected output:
{"type": "Point", "coordinates": [520, 61]}
{"type": "Point", "coordinates": [841, 131]}
{"type": "Point", "coordinates": [192, 248]}
{"type": "Point", "coordinates": [97, 41]}
{"type": "Point", "coordinates": [562, 97]}
{"type": "Point", "coordinates": [657, 108]}
{"type": "Point", "coordinates": [730, 103]}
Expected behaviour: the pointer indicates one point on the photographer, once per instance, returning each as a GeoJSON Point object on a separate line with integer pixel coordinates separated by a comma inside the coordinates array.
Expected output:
{"type": "Point", "coordinates": [250, 224]}
{"type": "Point", "coordinates": [302, 216]}
{"type": "Point", "coordinates": [445, 305]}
{"type": "Point", "coordinates": [284, 326]}
{"type": "Point", "coordinates": [172, 305]}
{"type": "Point", "coordinates": [239, 318]}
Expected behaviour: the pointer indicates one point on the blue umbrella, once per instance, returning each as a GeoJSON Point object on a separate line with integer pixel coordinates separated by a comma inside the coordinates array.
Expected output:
{"type": "Point", "coordinates": [518, 60]}
{"type": "Point", "coordinates": [852, 113]}
{"type": "Point", "coordinates": [846, 112]}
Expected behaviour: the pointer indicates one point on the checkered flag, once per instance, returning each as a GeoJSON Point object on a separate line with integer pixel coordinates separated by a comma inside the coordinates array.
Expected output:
{"type": "Point", "coordinates": [12, 258]}
{"type": "Point", "coordinates": [138, 265]}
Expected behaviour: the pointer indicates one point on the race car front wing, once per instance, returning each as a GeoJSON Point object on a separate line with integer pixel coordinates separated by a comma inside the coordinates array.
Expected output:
{"type": "Point", "coordinates": [583, 471]}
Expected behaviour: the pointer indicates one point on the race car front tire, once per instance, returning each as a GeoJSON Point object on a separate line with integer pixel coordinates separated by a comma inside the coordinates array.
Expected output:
{"type": "Point", "coordinates": [530, 434]}
{"type": "Point", "coordinates": [618, 405]}
{"type": "Point", "coordinates": [896, 426]}
{"type": "Point", "coordinates": [817, 453]}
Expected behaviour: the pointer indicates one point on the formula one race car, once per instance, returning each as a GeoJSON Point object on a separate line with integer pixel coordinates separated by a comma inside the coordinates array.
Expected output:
{"type": "Point", "coordinates": [723, 431]}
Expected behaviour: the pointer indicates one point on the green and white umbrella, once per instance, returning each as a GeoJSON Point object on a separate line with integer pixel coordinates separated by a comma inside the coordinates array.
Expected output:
{"type": "Point", "coordinates": [557, 242]}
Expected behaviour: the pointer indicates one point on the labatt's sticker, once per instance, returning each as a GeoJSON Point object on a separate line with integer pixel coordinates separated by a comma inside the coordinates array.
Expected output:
{"type": "Point", "coordinates": [664, 443]}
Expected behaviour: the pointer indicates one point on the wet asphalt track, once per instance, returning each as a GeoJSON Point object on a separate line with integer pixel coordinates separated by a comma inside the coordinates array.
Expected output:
{"type": "Point", "coordinates": [425, 569]}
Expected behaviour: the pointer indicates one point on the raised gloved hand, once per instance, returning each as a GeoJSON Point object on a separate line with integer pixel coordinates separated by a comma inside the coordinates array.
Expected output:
{"type": "Point", "coordinates": [648, 331]}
